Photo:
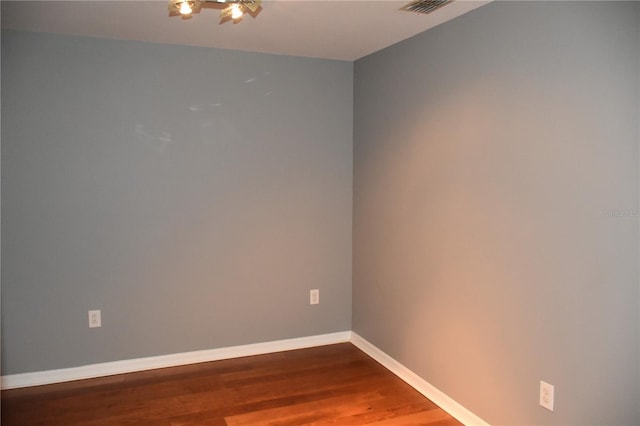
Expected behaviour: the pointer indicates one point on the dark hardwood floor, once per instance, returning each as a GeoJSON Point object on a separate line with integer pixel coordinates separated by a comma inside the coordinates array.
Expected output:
{"type": "Point", "coordinates": [335, 384]}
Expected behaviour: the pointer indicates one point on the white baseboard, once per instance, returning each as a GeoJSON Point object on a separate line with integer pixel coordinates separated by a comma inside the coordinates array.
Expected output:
{"type": "Point", "coordinates": [412, 379]}
{"type": "Point", "coordinates": [456, 410]}
{"type": "Point", "coordinates": [37, 378]}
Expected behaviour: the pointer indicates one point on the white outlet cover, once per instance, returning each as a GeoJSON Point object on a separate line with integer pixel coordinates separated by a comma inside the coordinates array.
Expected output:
{"type": "Point", "coordinates": [95, 319]}
{"type": "Point", "coordinates": [314, 297]}
{"type": "Point", "coordinates": [546, 395]}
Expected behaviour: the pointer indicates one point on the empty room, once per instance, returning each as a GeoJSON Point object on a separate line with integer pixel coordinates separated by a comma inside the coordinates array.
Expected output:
{"type": "Point", "coordinates": [296, 212]}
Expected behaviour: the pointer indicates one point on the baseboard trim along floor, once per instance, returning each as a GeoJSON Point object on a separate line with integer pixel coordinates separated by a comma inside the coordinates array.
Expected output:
{"type": "Point", "coordinates": [442, 400]}
{"type": "Point", "coordinates": [37, 378]}
{"type": "Point", "coordinates": [129, 366]}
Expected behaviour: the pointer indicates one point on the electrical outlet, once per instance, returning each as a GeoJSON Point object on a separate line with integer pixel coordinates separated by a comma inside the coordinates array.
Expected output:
{"type": "Point", "coordinates": [314, 297]}
{"type": "Point", "coordinates": [95, 319]}
{"type": "Point", "coordinates": [546, 395]}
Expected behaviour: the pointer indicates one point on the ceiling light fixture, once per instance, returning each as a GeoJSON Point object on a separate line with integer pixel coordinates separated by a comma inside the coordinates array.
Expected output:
{"type": "Point", "coordinates": [186, 8]}
{"type": "Point", "coordinates": [234, 10]}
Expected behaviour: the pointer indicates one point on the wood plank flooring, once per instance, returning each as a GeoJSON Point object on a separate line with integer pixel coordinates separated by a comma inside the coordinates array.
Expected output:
{"type": "Point", "coordinates": [335, 384]}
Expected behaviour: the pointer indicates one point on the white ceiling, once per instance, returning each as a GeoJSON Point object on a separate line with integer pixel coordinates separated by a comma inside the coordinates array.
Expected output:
{"type": "Point", "coordinates": [333, 29]}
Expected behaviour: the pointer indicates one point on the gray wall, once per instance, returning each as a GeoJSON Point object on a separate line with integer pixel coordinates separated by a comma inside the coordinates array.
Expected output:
{"type": "Point", "coordinates": [496, 209]}
{"type": "Point", "coordinates": [193, 195]}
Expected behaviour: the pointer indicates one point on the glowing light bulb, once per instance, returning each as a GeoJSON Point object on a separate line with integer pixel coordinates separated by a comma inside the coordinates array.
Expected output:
{"type": "Point", "coordinates": [185, 8]}
{"type": "Point", "coordinates": [236, 11]}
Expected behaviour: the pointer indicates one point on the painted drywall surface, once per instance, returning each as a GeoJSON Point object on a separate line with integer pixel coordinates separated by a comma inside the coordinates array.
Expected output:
{"type": "Point", "coordinates": [194, 195]}
{"type": "Point", "coordinates": [496, 209]}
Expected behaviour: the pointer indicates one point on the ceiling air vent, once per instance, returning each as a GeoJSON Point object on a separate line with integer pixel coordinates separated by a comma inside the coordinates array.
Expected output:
{"type": "Point", "coordinates": [424, 6]}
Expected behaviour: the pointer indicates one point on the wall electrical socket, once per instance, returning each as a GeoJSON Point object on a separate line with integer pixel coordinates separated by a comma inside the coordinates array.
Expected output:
{"type": "Point", "coordinates": [95, 319]}
{"type": "Point", "coordinates": [314, 297]}
{"type": "Point", "coordinates": [546, 395]}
